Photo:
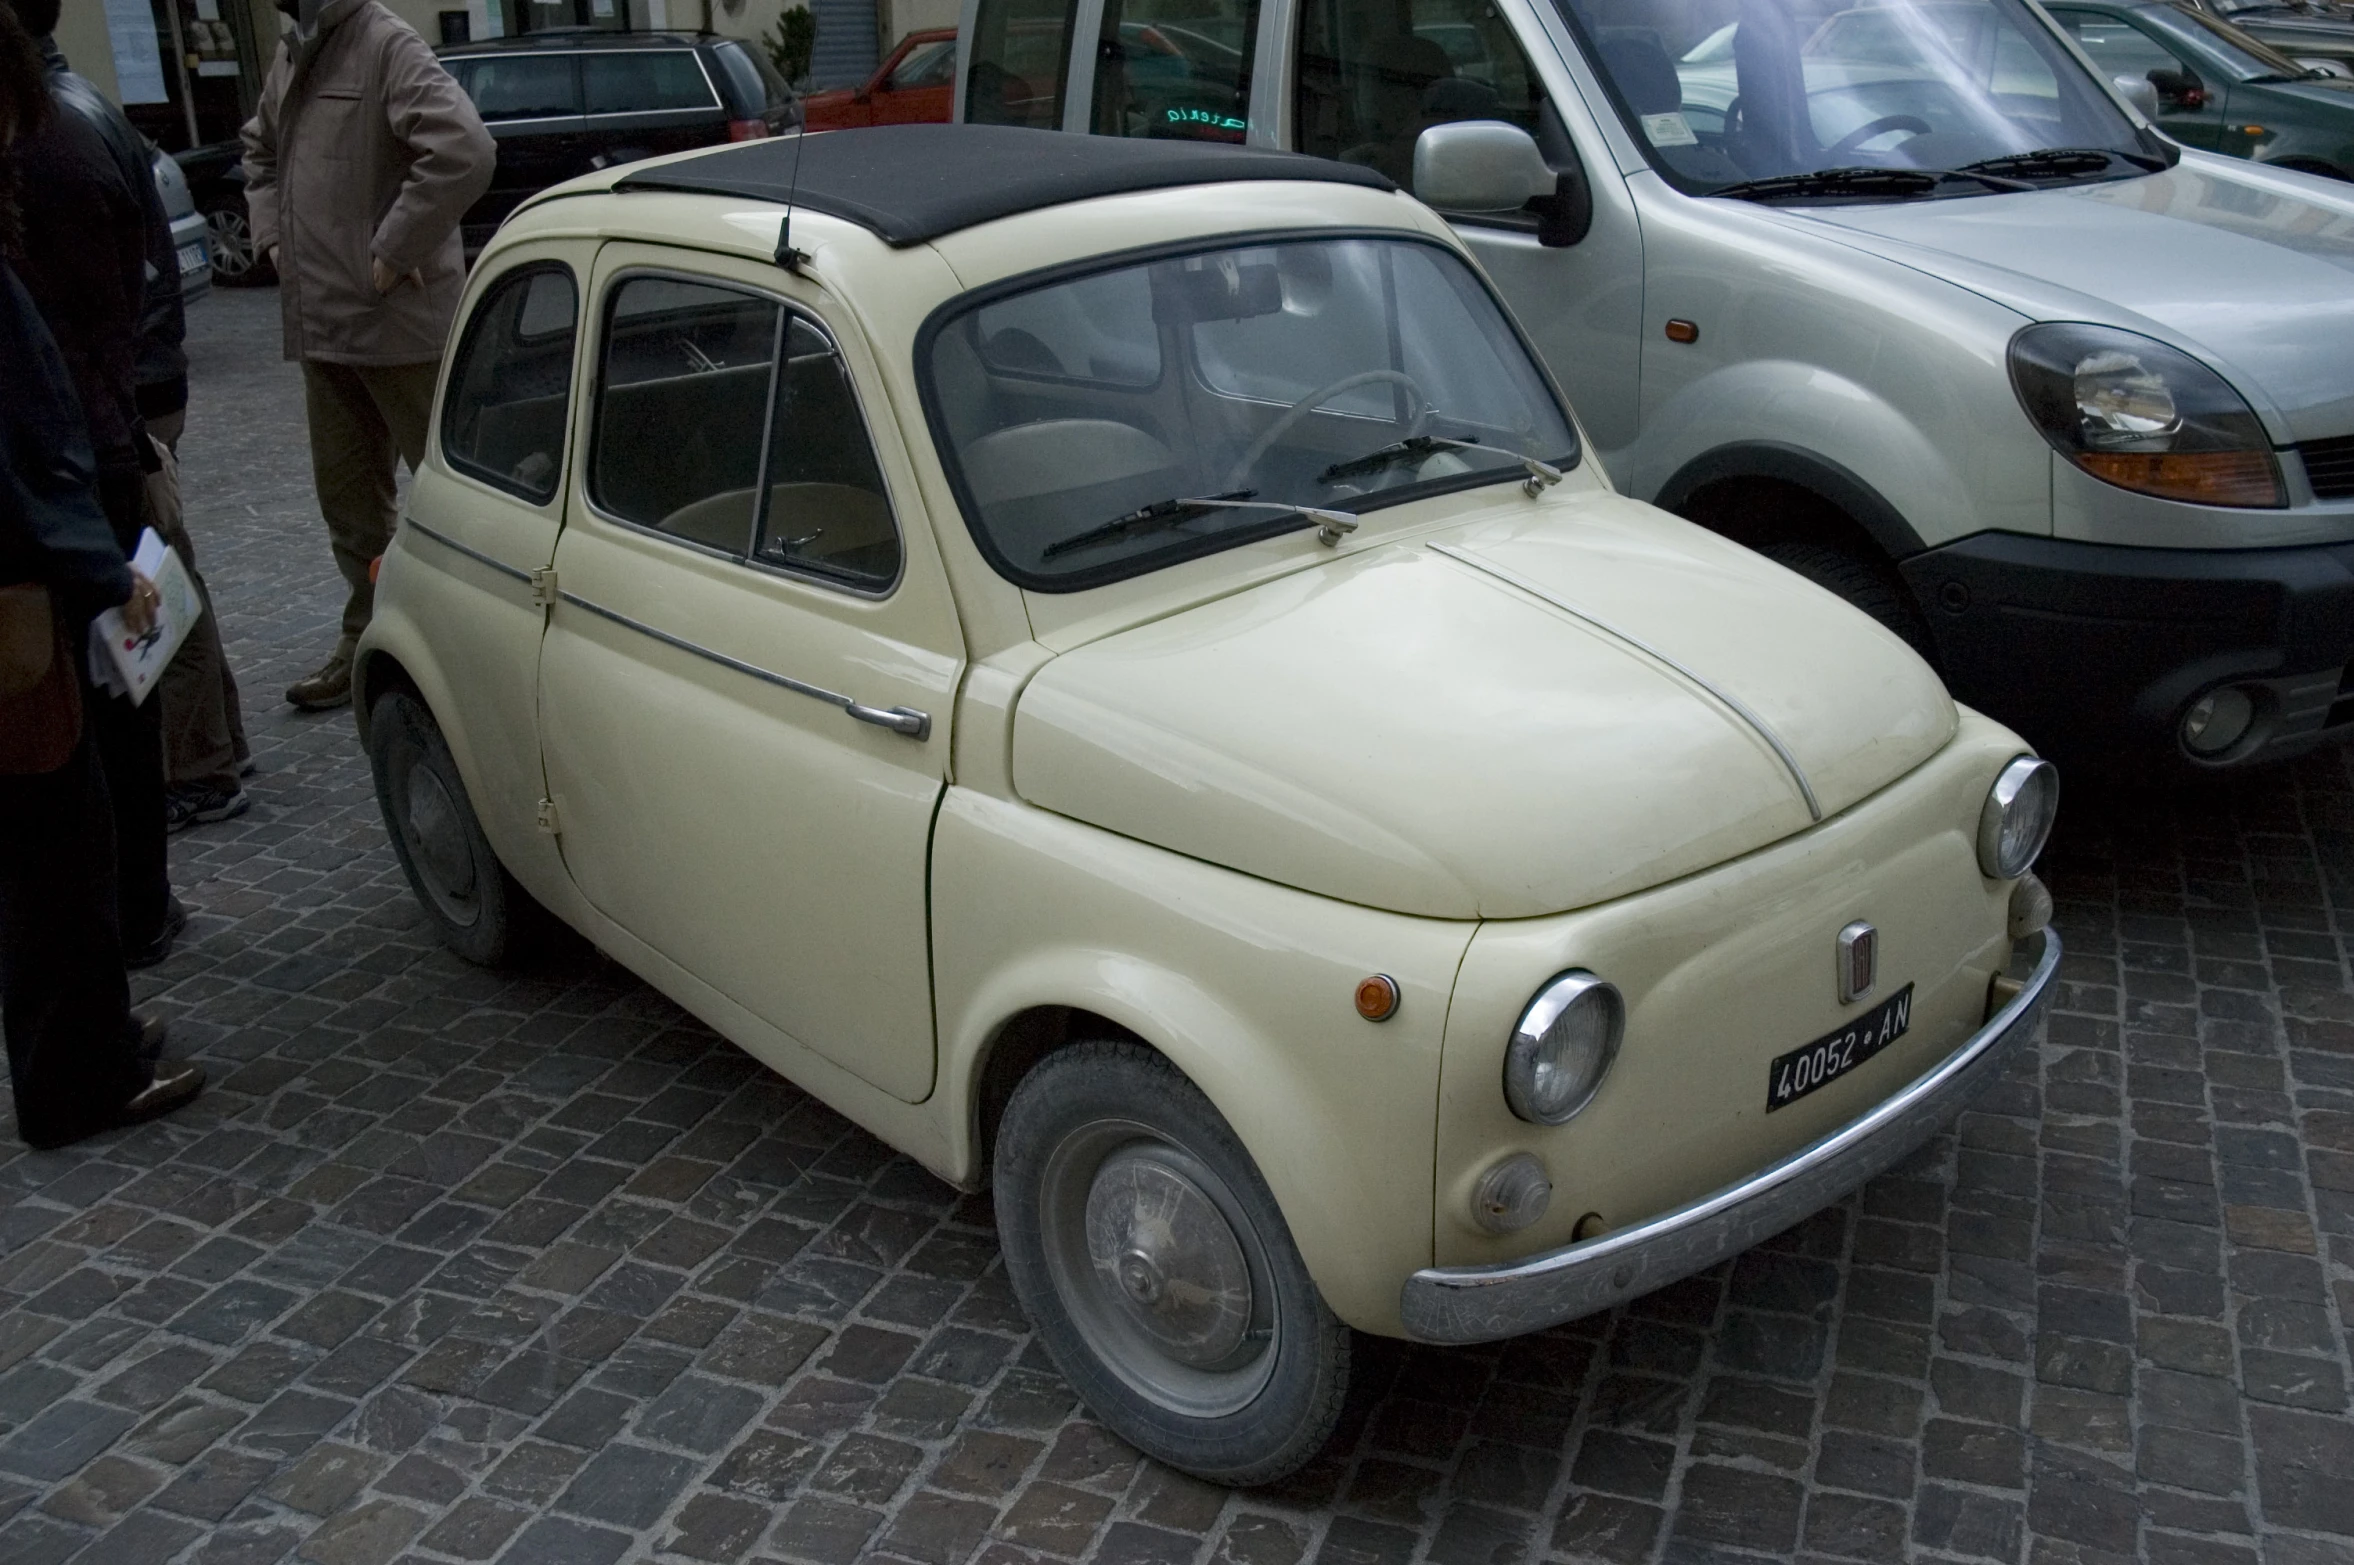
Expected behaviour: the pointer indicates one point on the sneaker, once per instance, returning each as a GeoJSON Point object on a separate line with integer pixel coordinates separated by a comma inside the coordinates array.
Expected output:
{"type": "Point", "coordinates": [194, 804]}
{"type": "Point", "coordinates": [330, 687]}
{"type": "Point", "coordinates": [175, 919]}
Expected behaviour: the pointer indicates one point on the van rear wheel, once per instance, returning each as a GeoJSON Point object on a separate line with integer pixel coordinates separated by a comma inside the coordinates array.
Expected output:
{"type": "Point", "coordinates": [1159, 1271]}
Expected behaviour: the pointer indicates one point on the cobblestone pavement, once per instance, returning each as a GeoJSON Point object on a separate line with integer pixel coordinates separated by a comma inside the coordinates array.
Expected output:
{"type": "Point", "coordinates": [455, 1266]}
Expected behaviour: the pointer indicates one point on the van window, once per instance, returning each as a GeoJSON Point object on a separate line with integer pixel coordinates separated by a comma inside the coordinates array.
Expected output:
{"type": "Point", "coordinates": [681, 403]}
{"type": "Point", "coordinates": [926, 65]}
{"type": "Point", "coordinates": [643, 81]}
{"type": "Point", "coordinates": [505, 412]}
{"type": "Point", "coordinates": [2116, 46]}
{"type": "Point", "coordinates": [520, 86]}
{"type": "Point", "coordinates": [1175, 70]}
{"type": "Point", "coordinates": [1021, 52]}
{"type": "Point", "coordinates": [1372, 79]}
{"type": "Point", "coordinates": [744, 83]}
{"type": "Point", "coordinates": [824, 508]}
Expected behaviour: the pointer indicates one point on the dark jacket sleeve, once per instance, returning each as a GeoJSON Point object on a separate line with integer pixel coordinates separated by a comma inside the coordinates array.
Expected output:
{"type": "Point", "coordinates": [51, 528]}
{"type": "Point", "coordinates": [163, 320]}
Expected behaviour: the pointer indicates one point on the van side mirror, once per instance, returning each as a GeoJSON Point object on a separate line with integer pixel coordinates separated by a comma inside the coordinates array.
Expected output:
{"type": "Point", "coordinates": [1479, 166]}
{"type": "Point", "coordinates": [2137, 91]}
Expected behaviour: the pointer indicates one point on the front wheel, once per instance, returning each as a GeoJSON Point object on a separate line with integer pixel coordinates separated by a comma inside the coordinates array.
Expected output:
{"type": "Point", "coordinates": [1159, 1271]}
{"type": "Point", "coordinates": [473, 903]}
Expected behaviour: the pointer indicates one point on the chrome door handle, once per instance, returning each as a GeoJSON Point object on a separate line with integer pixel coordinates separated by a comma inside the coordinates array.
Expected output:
{"type": "Point", "coordinates": [899, 719]}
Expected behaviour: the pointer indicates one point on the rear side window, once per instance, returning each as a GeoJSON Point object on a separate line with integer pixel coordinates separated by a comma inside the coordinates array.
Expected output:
{"type": "Point", "coordinates": [520, 86]}
{"type": "Point", "coordinates": [743, 80]}
{"type": "Point", "coordinates": [1175, 70]}
{"type": "Point", "coordinates": [503, 416]}
{"type": "Point", "coordinates": [681, 404]}
{"type": "Point", "coordinates": [1021, 51]}
{"type": "Point", "coordinates": [643, 81]}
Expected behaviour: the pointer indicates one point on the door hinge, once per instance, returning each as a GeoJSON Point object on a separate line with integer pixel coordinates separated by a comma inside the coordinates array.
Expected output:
{"type": "Point", "coordinates": [543, 586]}
{"type": "Point", "coordinates": [547, 818]}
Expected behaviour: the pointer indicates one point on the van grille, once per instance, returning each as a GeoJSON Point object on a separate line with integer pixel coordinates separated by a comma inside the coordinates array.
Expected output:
{"type": "Point", "coordinates": [2329, 464]}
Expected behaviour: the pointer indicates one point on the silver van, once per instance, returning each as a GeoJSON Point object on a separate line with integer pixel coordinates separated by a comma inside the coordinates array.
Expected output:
{"type": "Point", "coordinates": [1904, 294]}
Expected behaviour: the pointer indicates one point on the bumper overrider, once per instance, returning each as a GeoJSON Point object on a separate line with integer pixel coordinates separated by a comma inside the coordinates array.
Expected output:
{"type": "Point", "coordinates": [1483, 1303]}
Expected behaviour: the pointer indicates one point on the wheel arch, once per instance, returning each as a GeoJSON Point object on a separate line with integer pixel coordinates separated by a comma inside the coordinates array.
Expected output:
{"type": "Point", "coordinates": [1724, 469]}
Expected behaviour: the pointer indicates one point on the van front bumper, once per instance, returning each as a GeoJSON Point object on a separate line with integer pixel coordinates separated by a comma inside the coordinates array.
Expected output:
{"type": "Point", "coordinates": [1483, 1303]}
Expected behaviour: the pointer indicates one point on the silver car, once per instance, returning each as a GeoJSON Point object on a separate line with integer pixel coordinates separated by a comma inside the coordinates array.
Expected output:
{"type": "Point", "coordinates": [1905, 294]}
{"type": "Point", "coordinates": [191, 242]}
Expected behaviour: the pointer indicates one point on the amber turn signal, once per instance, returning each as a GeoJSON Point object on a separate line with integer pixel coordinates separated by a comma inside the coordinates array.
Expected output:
{"type": "Point", "coordinates": [2202, 477]}
{"type": "Point", "coordinates": [1683, 331]}
{"type": "Point", "coordinates": [1377, 998]}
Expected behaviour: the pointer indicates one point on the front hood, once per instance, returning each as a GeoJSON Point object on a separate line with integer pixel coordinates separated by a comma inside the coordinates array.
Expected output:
{"type": "Point", "coordinates": [1407, 729]}
{"type": "Point", "coordinates": [2246, 268]}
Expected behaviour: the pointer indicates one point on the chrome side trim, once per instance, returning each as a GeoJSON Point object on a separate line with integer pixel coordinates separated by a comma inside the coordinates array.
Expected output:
{"type": "Point", "coordinates": [411, 524]}
{"type": "Point", "coordinates": [1731, 702]}
{"type": "Point", "coordinates": [899, 719]}
{"type": "Point", "coordinates": [1483, 1303]}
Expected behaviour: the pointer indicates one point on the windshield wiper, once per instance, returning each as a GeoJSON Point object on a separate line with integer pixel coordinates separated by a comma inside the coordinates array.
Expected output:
{"type": "Point", "coordinates": [1330, 525]}
{"type": "Point", "coordinates": [2062, 161]}
{"type": "Point", "coordinates": [1541, 475]}
{"type": "Point", "coordinates": [1903, 182]}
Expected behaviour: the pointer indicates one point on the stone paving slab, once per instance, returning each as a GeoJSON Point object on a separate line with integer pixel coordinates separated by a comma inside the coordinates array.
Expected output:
{"type": "Point", "coordinates": [454, 1266]}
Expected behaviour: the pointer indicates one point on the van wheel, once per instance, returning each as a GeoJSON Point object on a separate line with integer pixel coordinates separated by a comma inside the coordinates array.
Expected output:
{"type": "Point", "coordinates": [474, 904]}
{"type": "Point", "coordinates": [1866, 583]}
{"type": "Point", "coordinates": [1158, 1270]}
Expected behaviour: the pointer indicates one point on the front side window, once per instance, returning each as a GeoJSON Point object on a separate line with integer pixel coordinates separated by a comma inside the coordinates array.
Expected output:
{"type": "Point", "coordinates": [1110, 423]}
{"type": "Point", "coordinates": [1175, 70]}
{"type": "Point", "coordinates": [504, 414]}
{"type": "Point", "coordinates": [1726, 93]}
{"type": "Point", "coordinates": [520, 86]}
{"type": "Point", "coordinates": [825, 510]}
{"type": "Point", "coordinates": [1021, 51]}
{"type": "Point", "coordinates": [2117, 46]}
{"type": "Point", "coordinates": [925, 65]}
{"type": "Point", "coordinates": [1371, 81]}
{"type": "Point", "coordinates": [643, 81]}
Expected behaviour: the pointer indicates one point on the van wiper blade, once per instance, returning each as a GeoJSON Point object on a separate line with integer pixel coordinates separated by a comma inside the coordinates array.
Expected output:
{"type": "Point", "coordinates": [1901, 182]}
{"type": "Point", "coordinates": [1169, 513]}
{"type": "Point", "coordinates": [2061, 161]}
{"type": "Point", "coordinates": [1415, 448]}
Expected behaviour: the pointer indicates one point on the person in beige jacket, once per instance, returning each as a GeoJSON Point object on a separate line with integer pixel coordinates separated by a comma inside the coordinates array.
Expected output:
{"type": "Point", "coordinates": [359, 161]}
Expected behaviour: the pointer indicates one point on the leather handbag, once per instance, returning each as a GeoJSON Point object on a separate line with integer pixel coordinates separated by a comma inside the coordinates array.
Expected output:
{"type": "Point", "coordinates": [40, 700]}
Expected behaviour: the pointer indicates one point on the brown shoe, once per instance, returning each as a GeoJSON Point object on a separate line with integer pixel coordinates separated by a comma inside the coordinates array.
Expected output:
{"type": "Point", "coordinates": [325, 690]}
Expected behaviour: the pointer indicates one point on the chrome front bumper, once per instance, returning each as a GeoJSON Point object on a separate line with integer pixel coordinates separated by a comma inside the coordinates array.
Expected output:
{"type": "Point", "coordinates": [1483, 1303]}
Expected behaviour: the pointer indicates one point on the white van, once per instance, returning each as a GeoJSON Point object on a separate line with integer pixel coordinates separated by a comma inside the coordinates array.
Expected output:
{"type": "Point", "coordinates": [1903, 294]}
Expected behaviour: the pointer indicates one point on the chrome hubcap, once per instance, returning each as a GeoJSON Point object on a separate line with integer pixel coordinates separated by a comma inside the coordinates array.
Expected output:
{"type": "Point", "coordinates": [437, 837]}
{"type": "Point", "coordinates": [1159, 1269]}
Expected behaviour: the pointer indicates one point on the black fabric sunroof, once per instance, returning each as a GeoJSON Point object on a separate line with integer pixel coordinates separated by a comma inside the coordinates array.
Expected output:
{"type": "Point", "coordinates": [912, 183]}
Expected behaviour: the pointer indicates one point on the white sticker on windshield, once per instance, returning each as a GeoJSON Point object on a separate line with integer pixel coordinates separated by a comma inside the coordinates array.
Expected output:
{"type": "Point", "coordinates": [1669, 130]}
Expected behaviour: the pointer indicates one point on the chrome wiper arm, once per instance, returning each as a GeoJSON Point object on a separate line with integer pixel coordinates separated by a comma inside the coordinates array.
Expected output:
{"type": "Point", "coordinates": [1541, 474]}
{"type": "Point", "coordinates": [1330, 525]}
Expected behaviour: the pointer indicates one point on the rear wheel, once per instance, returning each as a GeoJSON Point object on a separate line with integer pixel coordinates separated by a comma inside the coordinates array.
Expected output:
{"type": "Point", "coordinates": [1159, 1271]}
{"type": "Point", "coordinates": [474, 904]}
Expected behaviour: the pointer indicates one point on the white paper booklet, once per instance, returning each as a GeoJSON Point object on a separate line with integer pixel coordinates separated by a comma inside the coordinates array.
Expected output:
{"type": "Point", "coordinates": [125, 663]}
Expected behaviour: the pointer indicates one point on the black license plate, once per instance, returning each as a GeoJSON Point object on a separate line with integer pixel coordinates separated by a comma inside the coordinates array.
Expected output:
{"type": "Point", "coordinates": [1792, 1076]}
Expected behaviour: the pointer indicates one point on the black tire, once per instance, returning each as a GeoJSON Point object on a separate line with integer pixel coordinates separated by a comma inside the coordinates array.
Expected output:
{"type": "Point", "coordinates": [1867, 583]}
{"type": "Point", "coordinates": [235, 265]}
{"type": "Point", "coordinates": [468, 896]}
{"type": "Point", "coordinates": [1097, 1136]}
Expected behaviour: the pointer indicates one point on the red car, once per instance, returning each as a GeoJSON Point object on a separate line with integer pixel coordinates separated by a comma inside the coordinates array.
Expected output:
{"type": "Point", "coordinates": [917, 83]}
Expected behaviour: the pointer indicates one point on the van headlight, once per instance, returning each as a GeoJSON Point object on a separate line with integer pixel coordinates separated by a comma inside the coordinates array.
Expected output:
{"type": "Point", "coordinates": [1563, 1047]}
{"type": "Point", "coordinates": [2135, 413]}
{"type": "Point", "coordinates": [2017, 817]}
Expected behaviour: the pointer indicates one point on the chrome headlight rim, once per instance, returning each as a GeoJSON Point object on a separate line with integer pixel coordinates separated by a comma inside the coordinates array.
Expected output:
{"type": "Point", "coordinates": [2026, 782]}
{"type": "Point", "coordinates": [1523, 1056]}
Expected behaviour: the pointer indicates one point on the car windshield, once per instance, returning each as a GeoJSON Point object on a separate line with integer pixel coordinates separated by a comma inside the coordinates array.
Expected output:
{"type": "Point", "coordinates": [1729, 92]}
{"type": "Point", "coordinates": [1109, 423]}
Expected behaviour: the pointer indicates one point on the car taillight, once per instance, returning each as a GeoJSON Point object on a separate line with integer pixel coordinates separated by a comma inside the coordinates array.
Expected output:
{"type": "Point", "coordinates": [746, 130]}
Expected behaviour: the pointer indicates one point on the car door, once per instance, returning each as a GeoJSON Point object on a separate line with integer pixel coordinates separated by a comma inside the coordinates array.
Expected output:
{"type": "Point", "coordinates": [482, 516]}
{"type": "Point", "coordinates": [2190, 108]}
{"type": "Point", "coordinates": [745, 692]}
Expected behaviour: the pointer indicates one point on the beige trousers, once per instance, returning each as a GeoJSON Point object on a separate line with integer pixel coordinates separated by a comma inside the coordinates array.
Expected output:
{"type": "Point", "coordinates": [363, 418]}
{"type": "Point", "coordinates": [203, 727]}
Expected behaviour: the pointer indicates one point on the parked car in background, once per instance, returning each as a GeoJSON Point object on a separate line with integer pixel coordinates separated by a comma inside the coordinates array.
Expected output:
{"type": "Point", "coordinates": [1901, 294]}
{"type": "Point", "coordinates": [1387, 879]}
{"type": "Point", "coordinates": [2312, 33]}
{"type": "Point", "coordinates": [2217, 87]}
{"type": "Point", "coordinates": [216, 179]}
{"type": "Point", "coordinates": [915, 85]}
{"type": "Point", "coordinates": [565, 101]}
{"type": "Point", "coordinates": [189, 237]}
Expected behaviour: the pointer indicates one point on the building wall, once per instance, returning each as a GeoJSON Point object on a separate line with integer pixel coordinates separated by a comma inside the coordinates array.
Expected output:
{"type": "Point", "coordinates": [895, 19]}
{"type": "Point", "coordinates": [81, 35]}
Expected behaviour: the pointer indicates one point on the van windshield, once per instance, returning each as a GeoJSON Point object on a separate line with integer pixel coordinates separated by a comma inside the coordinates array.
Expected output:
{"type": "Point", "coordinates": [1728, 93]}
{"type": "Point", "coordinates": [1105, 424]}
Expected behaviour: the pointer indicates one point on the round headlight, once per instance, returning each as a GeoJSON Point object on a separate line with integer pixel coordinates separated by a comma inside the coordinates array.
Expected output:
{"type": "Point", "coordinates": [1563, 1046]}
{"type": "Point", "coordinates": [2017, 817]}
{"type": "Point", "coordinates": [2136, 413]}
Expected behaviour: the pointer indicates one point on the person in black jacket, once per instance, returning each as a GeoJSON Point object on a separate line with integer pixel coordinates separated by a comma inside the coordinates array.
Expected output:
{"type": "Point", "coordinates": [78, 1060]}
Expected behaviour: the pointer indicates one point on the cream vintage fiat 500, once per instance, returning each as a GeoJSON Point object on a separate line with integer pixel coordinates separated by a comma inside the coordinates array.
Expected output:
{"type": "Point", "coordinates": [1104, 662]}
